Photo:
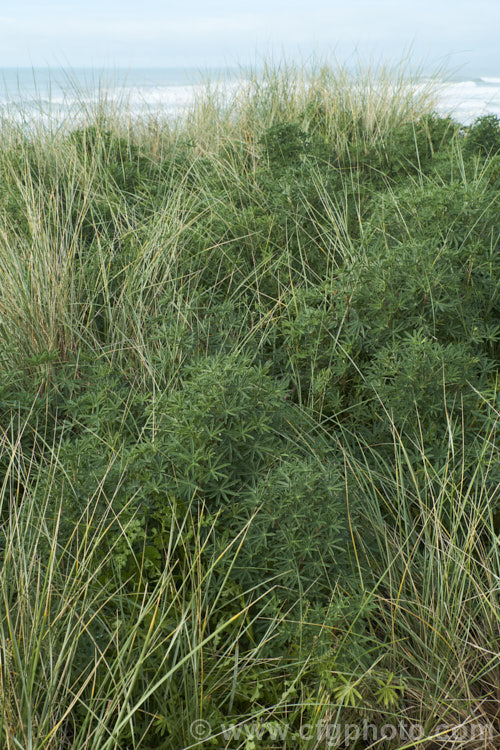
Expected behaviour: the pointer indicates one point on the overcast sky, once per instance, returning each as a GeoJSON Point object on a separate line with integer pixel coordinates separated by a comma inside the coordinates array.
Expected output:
{"type": "Point", "coordinates": [463, 33]}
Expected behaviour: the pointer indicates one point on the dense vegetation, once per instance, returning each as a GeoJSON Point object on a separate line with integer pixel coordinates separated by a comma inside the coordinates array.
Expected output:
{"type": "Point", "coordinates": [248, 421]}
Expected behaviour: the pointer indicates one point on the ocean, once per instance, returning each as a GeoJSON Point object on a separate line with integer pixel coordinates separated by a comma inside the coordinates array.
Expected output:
{"type": "Point", "coordinates": [54, 92]}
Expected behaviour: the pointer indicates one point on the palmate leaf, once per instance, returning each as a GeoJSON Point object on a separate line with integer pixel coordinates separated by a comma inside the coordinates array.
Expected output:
{"type": "Point", "coordinates": [347, 693]}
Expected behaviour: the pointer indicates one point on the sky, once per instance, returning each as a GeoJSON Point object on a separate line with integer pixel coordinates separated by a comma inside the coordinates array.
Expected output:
{"type": "Point", "coordinates": [463, 35]}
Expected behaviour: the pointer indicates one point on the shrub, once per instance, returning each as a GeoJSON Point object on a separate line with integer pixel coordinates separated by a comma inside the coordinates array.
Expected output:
{"type": "Point", "coordinates": [484, 135]}
{"type": "Point", "coordinates": [299, 538]}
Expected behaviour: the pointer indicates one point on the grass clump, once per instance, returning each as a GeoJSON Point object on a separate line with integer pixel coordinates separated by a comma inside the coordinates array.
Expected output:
{"type": "Point", "coordinates": [248, 410]}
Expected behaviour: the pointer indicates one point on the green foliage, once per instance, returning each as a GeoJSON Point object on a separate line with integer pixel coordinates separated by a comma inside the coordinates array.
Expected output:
{"type": "Point", "coordinates": [220, 428]}
{"type": "Point", "coordinates": [248, 418]}
{"type": "Point", "coordinates": [283, 144]}
{"type": "Point", "coordinates": [299, 536]}
{"type": "Point", "coordinates": [484, 135]}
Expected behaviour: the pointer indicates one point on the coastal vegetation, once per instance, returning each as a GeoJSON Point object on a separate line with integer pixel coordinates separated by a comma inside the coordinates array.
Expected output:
{"type": "Point", "coordinates": [249, 402]}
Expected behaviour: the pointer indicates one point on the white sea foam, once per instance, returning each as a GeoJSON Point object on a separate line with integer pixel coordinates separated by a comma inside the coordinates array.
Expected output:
{"type": "Point", "coordinates": [466, 100]}
{"type": "Point", "coordinates": [167, 92]}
